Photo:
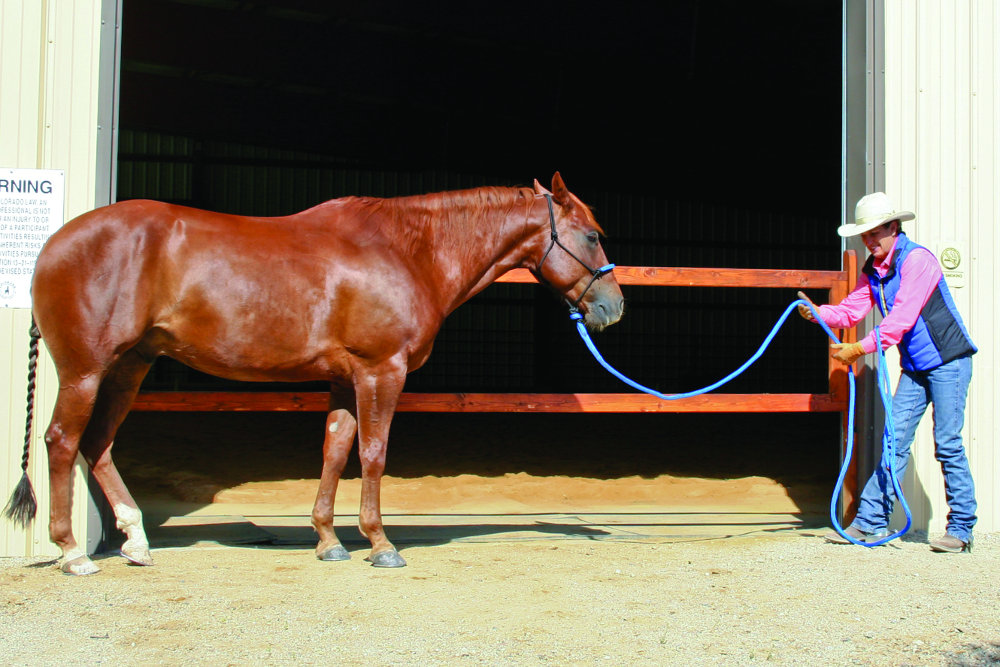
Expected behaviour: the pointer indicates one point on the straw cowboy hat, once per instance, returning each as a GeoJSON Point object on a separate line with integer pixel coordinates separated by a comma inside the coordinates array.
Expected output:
{"type": "Point", "coordinates": [872, 210]}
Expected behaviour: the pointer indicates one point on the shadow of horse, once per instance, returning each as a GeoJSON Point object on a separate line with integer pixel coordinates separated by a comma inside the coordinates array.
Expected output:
{"type": "Point", "coordinates": [237, 531]}
{"type": "Point", "coordinates": [435, 529]}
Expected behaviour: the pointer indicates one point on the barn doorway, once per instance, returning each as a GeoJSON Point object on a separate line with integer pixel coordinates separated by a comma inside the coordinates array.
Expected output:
{"type": "Point", "coordinates": [703, 133]}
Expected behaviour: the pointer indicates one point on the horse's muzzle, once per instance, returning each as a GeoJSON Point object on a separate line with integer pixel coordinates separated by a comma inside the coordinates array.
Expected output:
{"type": "Point", "coordinates": [602, 312]}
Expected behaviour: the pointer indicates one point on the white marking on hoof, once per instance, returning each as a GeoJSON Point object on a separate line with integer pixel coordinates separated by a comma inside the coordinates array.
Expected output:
{"type": "Point", "coordinates": [73, 554]}
{"type": "Point", "coordinates": [137, 553]}
{"type": "Point", "coordinates": [334, 426]}
{"type": "Point", "coordinates": [77, 563]}
{"type": "Point", "coordinates": [136, 547]}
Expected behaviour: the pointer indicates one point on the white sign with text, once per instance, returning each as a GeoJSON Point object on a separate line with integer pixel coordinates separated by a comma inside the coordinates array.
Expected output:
{"type": "Point", "coordinates": [31, 208]}
{"type": "Point", "coordinates": [953, 255]}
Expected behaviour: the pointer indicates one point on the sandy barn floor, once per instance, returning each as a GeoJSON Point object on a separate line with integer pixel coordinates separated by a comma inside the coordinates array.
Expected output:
{"type": "Point", "coordinates": [495, 463]}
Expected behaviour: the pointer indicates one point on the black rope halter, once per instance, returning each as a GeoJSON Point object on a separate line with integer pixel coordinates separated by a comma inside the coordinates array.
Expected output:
{"type": "Point", "coordinates": [595, 274]}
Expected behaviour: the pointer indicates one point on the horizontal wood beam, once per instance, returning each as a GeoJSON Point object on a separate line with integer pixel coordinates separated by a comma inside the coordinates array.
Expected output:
{"type": "Point", "coordinates": [658, 276]}
{"type": "Point", "coordinates": [838, 281]}
{"type": "Point", "coordinates": [212, 401]}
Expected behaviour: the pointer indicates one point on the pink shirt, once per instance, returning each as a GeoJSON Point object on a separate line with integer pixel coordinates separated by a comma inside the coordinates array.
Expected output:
{"type": "Point", "coordinates": [918, 279]}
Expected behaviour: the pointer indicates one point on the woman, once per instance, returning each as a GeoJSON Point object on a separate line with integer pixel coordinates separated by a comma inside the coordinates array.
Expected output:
{"type": "Point", "coordinates": [905, 282]}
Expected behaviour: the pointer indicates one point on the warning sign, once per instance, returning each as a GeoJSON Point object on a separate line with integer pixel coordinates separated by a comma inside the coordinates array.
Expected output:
{"type": "Point", "coordinates": [31, 208]}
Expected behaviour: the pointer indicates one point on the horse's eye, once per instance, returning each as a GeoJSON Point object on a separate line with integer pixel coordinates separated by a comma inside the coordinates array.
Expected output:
{"type": "Point", "coordinates": [593, 238]}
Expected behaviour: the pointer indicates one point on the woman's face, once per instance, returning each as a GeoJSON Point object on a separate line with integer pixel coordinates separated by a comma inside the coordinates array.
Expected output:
{"type": "Point", "coordinates": [879, 240]}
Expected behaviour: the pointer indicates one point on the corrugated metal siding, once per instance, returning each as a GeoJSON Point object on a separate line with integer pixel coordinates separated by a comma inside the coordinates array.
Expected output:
{"type": "Point", "coordinates": [258, 180]}
{"type": "Point", "coordinates": [942, 110]}
{"type": "Point", "coordinates": [48, 112]}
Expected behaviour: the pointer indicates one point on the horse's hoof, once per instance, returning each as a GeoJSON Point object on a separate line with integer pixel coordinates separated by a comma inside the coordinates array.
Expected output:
{"type": "Point", "coordinates": [79, 566]}
{"type": "Point", "coordinates": [386, 559]}
{"type": "Point", "coordinates": [136, 555]}
{"type": "Point", "coordinates": [336, 552]}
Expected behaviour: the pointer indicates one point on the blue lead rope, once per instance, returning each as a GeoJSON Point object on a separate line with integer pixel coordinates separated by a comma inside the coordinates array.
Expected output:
{"type": "Point", "coordinates": [888, 437]}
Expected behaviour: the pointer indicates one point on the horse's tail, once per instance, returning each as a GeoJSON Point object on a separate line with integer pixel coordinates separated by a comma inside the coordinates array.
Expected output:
{"type": "Point", "coordinates": [22, 505]}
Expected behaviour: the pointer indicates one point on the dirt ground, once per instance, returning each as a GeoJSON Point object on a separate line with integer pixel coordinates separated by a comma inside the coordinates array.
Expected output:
{"type": "Point", "coordinates": [753, 598]}
{"type": "Point", "coordinates": [528, 542]}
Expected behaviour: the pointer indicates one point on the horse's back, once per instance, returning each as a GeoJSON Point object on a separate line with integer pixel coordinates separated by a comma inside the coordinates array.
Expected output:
{"type": "Point", "coordinates": [144, 240]}
{"type": "Point", "coordinates": [104, 236]}
{"type": "Point", "coordinates": [100, 247]}
{"type": "Point", "coordinates": [243, 297]}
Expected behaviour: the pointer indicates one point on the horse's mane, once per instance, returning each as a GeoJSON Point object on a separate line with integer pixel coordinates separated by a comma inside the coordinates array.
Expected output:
{"type": "Point", "coordinates": [458, 216]}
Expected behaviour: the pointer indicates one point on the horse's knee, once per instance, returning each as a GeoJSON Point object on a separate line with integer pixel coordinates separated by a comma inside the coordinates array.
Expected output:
{"type": "Point", "coordinates": [373, 459]}
{"type": "Point", "coordinates": [372, 464]}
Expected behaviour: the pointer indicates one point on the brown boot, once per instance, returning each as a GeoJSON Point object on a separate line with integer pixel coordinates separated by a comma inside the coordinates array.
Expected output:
{"type": "Point", "coordinates": [951, 544]}
{"type": "Point", "coordinates": [836, 538]}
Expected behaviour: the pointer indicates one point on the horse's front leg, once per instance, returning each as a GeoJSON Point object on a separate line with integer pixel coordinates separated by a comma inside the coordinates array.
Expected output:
{"type": "Point", "coordinates": [377, 392]}
{"type": "Point", "coordinates": [340, 429]}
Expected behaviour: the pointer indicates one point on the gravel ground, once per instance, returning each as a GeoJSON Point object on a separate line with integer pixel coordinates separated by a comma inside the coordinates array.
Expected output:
{"type": "Point", "coordinates": [782, 597]}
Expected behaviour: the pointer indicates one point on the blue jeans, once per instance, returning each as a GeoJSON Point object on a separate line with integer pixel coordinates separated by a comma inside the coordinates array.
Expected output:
{"type": "Point", "coordinates": [946, 387]}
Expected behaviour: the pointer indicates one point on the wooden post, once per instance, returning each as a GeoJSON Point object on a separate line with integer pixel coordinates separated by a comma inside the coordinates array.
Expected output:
{"type": "Point", "coordinates": [839, 388]}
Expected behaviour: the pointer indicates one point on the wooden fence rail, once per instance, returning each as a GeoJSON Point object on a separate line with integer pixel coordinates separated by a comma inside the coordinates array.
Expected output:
{"type": "Point", "coordinates": [838, 284]}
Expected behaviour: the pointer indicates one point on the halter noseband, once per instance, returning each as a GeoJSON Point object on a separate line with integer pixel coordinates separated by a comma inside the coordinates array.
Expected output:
{"type": "Point", "coordinates": [595, 274]}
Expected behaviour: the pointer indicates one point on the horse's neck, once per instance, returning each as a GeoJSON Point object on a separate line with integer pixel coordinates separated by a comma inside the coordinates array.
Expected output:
{"type": "Point", "coordinates": [471, 247]}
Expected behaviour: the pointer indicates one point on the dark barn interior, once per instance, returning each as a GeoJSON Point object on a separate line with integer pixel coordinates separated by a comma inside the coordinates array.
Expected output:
{"type": "Point", "coordinates": [702, 132]}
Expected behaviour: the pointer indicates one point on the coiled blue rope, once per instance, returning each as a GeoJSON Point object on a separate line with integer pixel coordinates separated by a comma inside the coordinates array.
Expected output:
{"type": "Point", "coordinates": [888, 437]}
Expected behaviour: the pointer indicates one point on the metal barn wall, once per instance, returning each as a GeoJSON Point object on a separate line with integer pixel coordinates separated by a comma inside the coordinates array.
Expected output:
{"type": "Point", "coordinates": [942, 127]}
{"type": "Point", "coordinates": [48, 120]}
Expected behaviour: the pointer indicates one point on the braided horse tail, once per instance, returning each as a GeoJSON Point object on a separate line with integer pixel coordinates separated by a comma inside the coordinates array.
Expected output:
{"type": "Point", "coordinates": [22, 505]}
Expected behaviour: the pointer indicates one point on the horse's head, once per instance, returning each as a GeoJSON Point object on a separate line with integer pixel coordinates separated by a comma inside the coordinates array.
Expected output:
{"type": "Point", "coordinates": [572, 260]}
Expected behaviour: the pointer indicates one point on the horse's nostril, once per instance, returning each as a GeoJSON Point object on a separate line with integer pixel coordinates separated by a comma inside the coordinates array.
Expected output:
{"type": "Point", "coordinates": [609, 311]}
{"type": "Point", "coordinates": [615, 313]}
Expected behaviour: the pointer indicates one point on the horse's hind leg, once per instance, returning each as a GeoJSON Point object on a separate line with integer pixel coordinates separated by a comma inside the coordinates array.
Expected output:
{"type": "Point", "coordinates": [340, 429]}
{"type": "Point", "coordinates": [114, 400]}
{"type": "Point", "coordinates": [70, 416]}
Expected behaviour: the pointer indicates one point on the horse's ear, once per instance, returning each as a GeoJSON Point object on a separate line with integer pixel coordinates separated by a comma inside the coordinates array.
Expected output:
{"type": "Point", "coordinates": [560, 194]}
{"type": "Point", "coordinates": [540, 189]}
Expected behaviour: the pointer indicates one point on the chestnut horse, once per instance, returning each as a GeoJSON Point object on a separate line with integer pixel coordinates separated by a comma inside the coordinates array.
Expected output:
{"type": "Point", "coordinates": [352, 291]}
